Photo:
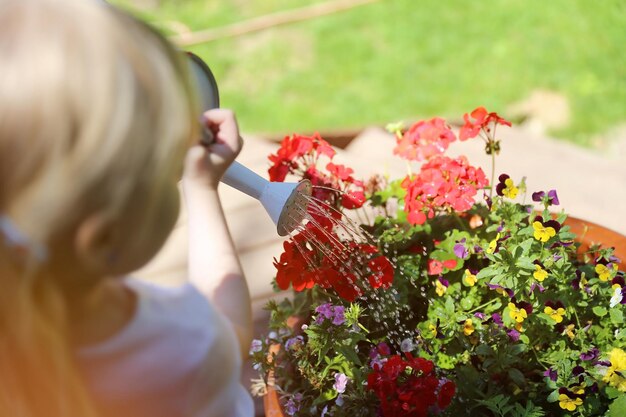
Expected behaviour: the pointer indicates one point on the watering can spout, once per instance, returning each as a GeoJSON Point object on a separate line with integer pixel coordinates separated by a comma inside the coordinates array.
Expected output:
{"type": "Point", "coordinates": [285, 202]}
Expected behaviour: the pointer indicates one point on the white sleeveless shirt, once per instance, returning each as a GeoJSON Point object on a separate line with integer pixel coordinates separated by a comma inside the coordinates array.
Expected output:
{"type": "Point", "coordinates": [176, 358]}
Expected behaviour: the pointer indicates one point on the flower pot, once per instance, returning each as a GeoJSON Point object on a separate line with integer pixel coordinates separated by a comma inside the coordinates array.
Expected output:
{"type": "Point", "coordinates": [271, 400]}
{"type": "Point", "coordinates": [588, 233]}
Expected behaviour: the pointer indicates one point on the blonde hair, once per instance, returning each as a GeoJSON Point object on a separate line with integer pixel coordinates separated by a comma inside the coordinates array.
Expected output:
{"type": "Point", "coordinates": [95, 110]}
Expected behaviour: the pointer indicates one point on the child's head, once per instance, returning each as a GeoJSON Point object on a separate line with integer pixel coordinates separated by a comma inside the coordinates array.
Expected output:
{"type": "Point", "coordinates": [95, 115]}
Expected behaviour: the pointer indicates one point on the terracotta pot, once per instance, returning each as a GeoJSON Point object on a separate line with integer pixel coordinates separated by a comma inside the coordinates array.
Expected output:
{"type": "Point", "coordinates": [271, 401]}
{"type": "Point", "coordinates": [587, 234]}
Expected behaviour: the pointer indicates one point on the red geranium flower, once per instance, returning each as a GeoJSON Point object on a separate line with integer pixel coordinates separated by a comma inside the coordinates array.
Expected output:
{"type": "Point", "coordinates": [382, 272]}
{"type": "Point", "coordinates": [482, 118]}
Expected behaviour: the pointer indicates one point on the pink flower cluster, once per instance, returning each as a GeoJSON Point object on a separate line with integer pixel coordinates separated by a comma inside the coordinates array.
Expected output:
{"type": "Point", "coordinates": [443, 183]}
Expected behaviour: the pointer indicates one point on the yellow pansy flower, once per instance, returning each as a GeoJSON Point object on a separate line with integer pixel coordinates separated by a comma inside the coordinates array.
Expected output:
{"type": "Point", "coordinates": [469, 279]}
{"type": "Point", "coordinates": [433, 329]}
{"type": "Point", "coordinates": [440, 289]}
{"type": "Point", "coordinates": [569, 331]}
{"type": "Point", "coordinates": [616, 374]}
{"type": "Point", "coordinates": [605, 273]}
{"type": "Point", "coordinates": [493, 244]}
{"type": "Point", "coordinates": [510, 190]}
{"type": "Point", "coordinates": [540, 274]}
{"type": "Point", "coordinates": [517, 314]}
{"type": "Point", "coordinates": [569, 404]}
{"type": "Point", "coordinates": [468, 327]}
{"type": "Point", "coordinates": [541, 233]}
{"type": "Point", "coordinates": [555, 314]}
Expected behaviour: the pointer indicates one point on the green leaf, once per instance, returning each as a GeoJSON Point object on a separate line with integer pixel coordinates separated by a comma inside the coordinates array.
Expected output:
{"type": "Point", "coordinates": [525, 263]}
{"type": "Point", "coordinates": [325, 396]}
{"type": "Point", "coordinates": [467, 303]}
{"type": "Point", "coordinates": [617, 317]}
{"type": "Point", "coordinates": [554, 396]}
{"type": "Point", "coordinates": [350, 354]}
{"type": "Point", "coordinates": [599, 311]}
{"type": "Point", "coordinates": [517, 349]}
{"type": "Point", "coordinates": [517, 377]}
{"type": "Point", "coordinates": [531, 410]}
{"type": "Point", "coordinates": [612, 392]}
{"type": "Point", "coordinates": [618, 407]}
{"type": "Point", "coordinates": [484, 349]}
{"type": "Point", "coordinates": [487, 273]}
{"type": "Point", "coordinates": [449, 305]}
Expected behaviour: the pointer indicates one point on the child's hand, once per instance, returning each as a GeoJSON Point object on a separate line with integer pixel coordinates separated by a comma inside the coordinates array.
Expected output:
{"type": "Point", "coordinates": [205, 165]}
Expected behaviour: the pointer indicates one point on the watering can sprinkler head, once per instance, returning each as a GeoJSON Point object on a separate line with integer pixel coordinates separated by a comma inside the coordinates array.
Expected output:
{"type": "Point", "coordinates": [285, 202]}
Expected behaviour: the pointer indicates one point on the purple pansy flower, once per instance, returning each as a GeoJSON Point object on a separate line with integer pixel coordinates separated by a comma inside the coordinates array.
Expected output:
{"type": "Point", "coordinates": [536, 285]}
{"type": "Point", "coordinates": [497, 287]}
{"type": "Point", "coordinates": [550, 373]}
{"type": "Point", "coordinates": [460, 250]}
{"type": "Point", "coordinates": [513, 335]}
{"type": "Point", "coordinates": [497, 319]}
{"type": "Point", "coordinates": [553, 199]}
{"type": "Point", "coordinates": [590, 355]}
{"type": "Point", "coordinates": [501, 184]}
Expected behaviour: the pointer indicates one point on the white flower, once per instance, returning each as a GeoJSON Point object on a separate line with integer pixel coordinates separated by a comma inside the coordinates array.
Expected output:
{"type": "Point", "coordinates": [407, 345]}
{"type": "Point", "coordinates": [617, 297]}
{"type": "Point", "coordinates": [255, 346]}
{"type": "Point", "coordinates": [341, 380]}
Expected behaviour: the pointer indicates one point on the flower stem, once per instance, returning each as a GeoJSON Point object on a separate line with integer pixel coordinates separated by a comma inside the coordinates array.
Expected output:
{"type": "Point", "coordinates": [493, 166]}
{"type": "Point", "coordinates": [493, 300]}
{"type": "Point", "coordinates": [459, 221]}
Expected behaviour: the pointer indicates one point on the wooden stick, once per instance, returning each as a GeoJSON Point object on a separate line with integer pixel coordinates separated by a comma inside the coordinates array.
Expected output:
{"type": "Point", "coordinates": [264, 22]}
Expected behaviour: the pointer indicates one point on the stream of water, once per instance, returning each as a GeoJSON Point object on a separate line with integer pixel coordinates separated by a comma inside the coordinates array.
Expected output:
{"type": "Point", "coordinates": [340, 240]}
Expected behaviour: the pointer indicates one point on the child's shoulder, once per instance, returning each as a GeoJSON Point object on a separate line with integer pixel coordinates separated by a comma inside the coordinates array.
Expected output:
{"type": "Point", "coordinates": [176, 347]}
{"type": "Point", "coordinates": [164, 318]}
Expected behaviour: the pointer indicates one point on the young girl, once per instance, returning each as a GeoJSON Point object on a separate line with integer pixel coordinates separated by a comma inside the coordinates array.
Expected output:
{"type": "Point", "coordinates": [96, 116]}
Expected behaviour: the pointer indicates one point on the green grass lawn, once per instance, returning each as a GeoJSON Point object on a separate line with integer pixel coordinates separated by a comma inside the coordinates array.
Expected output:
{"type": "Point", "coordinates": [405, 59]}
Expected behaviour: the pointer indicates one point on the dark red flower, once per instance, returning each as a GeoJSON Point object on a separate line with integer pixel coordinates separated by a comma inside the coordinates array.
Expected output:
{"type": "Point", "coordinates": [446, 393]}
{"type": "Point", "coordinates": [408, 387]}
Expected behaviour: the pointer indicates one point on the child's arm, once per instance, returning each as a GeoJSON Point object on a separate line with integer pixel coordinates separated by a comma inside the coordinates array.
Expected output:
{"type": "Point", "coordinates": [213, 262]}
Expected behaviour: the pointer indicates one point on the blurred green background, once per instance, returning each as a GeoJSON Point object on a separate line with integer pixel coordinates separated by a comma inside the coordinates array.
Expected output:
{"type": "Point", "coordinates": [407, 59]}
